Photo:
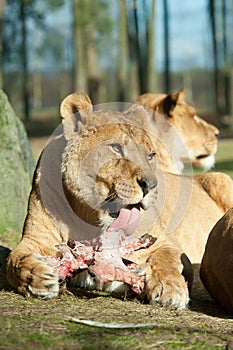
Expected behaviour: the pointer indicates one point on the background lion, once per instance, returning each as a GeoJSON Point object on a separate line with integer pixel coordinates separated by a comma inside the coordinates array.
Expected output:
{"type": "Point", "coordinates": [199, 138]}
{"type": "Point", "coordinates": [99, 163]}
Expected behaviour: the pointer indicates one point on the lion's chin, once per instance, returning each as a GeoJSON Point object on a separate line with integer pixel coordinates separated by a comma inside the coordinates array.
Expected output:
{"type": "Point", "coordinates": [206, 163]}
{"type": "Point", "coordinates": [202, 161]}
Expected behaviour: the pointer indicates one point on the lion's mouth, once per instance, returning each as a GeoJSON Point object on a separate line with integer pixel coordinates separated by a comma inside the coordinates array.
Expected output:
{"type": "Point", "coordinates": [202, 156]}
{"type": "Point", "coordinates": [126, 221]}
{"type": "Point", "coordinates": [125, 217]}
{"type": "Point", "coordinates": [113, 207]}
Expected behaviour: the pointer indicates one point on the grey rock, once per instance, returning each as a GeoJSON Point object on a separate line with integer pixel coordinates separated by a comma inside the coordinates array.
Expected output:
{"type": "Point", "coordinates": [16, 168]}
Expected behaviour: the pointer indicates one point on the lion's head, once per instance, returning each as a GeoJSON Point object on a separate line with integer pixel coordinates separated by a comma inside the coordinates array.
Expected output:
{"type": "Point", "coordinates": [198, 136]}
{"type": "Point", "coordinates": [108, 164]}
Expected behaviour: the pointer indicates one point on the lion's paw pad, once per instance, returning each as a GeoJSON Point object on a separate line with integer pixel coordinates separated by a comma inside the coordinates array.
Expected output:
{"type": "Point", "coordinates": [43, 281]}
{"type": "Point", "coordinates": [173, 293]}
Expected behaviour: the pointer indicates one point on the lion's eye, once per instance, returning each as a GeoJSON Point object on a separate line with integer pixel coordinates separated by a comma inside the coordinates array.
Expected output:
{"type": "Point", "coordinates": [117, 148]}
{"type": "Point", "coordinates": [151, 155]}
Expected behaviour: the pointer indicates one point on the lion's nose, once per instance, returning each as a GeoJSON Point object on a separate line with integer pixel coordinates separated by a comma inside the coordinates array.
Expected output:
{"type": "Point", "coordinates": [146, 185]}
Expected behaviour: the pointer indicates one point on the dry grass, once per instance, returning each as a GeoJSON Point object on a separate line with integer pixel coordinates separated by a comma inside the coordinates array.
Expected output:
{"type": "Point", "coordinates": [44, 324]}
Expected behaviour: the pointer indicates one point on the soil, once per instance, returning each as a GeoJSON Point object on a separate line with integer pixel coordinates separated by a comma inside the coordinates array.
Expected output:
{"type": "Point", "coordinates": [203, 325]}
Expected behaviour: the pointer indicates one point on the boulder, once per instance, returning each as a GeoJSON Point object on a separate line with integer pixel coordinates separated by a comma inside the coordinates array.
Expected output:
{"type": "Point", "coordinates": [16, 168]}
{"type": "Point", "coordinates": [217, 263]}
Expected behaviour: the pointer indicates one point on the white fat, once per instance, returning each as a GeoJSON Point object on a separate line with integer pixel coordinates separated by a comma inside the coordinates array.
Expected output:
{"type": "Point", "coordinates": [86, 281]}
{"type": "Point", "coordinates": [116, 287]}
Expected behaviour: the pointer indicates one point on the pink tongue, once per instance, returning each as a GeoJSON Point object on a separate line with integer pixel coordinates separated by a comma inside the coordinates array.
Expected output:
{"type": "Point", "coordinates": [127, 221]}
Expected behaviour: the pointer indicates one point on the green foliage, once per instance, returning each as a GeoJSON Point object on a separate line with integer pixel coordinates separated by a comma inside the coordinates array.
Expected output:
{"type": "Point", "coordinates": [96, 14]}
{"type": "Point", "coordinates": [33, 13]}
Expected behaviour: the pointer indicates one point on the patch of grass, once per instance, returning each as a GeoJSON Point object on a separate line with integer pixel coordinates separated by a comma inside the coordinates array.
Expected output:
{"type": "Point", "coordinates": [44, 324]}
{"type": "Point", "coordinates": [224, 157]}
{"type": "Point", "coordinates": [37, 145]}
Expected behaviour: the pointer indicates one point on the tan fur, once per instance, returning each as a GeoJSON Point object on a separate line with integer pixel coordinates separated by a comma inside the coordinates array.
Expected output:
{"type": "Point", "coordinates": [198, 136]}
{"type": "Point", "coordinates": [217, 264]}
{"type": "Point", "coordinates": [180, 211]}
{"type": "Point", "coordinates": [74, 103]}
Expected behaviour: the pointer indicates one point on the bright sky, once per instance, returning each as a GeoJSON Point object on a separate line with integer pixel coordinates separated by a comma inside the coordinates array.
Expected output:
{"type": "Point", "coordinates": [190, 40]}
{"type": "Point", "coordinates": [190, 43]}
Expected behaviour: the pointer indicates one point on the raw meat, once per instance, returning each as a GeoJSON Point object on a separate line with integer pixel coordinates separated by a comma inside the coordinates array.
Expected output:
{"type": "Point", "coordinates": [102, 256]}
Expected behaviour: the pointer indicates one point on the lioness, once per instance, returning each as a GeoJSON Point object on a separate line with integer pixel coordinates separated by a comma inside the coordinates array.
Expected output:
{"type": "Point", "coordinates": [217, 263]}
{"type": "Point", "coordinates": [199, 137]}
{"type": "Point", "coordinates": [99, 164]}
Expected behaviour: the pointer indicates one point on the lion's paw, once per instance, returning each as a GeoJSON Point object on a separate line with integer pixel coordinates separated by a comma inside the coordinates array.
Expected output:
{"type": "Point", "coordinates": [167, 288]}
{"type": "Point", "coordinates": [34, 277]}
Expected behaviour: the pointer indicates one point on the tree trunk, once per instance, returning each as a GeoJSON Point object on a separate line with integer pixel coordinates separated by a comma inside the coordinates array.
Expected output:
{"type": "Point", "coordinates": [225, 60]}
{"type": "Point", "coordinates": [2, 7]}
{"type": "Point", "coordinates": [93, 72]}
{"type": "Point", "coordinates": [142, 77]}
{"type": "Point", "coordinates": [87, 75]}
{"type": "Point", "coordinates": [122, 78]}
{"type": "Point", "coordinates": [24, 62]}
{"type": "Point", "coordinates": [36, 77]}
{"type": "Point", "coordinates": [215, 52]}
{"type": "Point", "coordinates": [133, 65]}
{"type": "Point", "coordinates": [151, 50]}
{"type": "Point", "coordinates": [167, 83]}
{"type": "Point", "coordinates": [80, 74]}
{"type": "Point", "coordinates": [37, 90]}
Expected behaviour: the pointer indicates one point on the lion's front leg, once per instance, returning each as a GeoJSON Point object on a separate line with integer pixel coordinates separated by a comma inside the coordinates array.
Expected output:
{"type": "Point", "coordinates": [29, 274]}
{"type": "Point", "coordinates": [165, 283]}
{"type": "Point", "coordinates": [27, 269]}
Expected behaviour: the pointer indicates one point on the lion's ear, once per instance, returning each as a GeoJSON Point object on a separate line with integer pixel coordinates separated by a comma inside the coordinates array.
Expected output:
{"type": "Point", "coordinates": [74, 103]}
{"type": "Point", "coordinates": [138, 115]}
{"type": "Point", "coordinates": [74, 110]}
{"type": "Point", "coordinates": [167, 105]}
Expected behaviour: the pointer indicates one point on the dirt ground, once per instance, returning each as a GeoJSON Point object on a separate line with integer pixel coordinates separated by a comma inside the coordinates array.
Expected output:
{"type": "Point", "coordinates": [45, 324]}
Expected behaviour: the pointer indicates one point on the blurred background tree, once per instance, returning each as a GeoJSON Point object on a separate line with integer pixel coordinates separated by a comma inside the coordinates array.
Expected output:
{"type": "Point", "coordinates": [116, 50]}
{"type": "Point", "coordinates": [2, 8]}
{"type": "Point", "coordinates": [18, 19]}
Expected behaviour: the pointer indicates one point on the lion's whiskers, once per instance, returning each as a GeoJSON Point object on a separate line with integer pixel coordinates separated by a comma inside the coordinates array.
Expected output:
{"type": "Point", "coordinates": [108, 200]}
{"type": "Point", "coordinates": [86, 194]}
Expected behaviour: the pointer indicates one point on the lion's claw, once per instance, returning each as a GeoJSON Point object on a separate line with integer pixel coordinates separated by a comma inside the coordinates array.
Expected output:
{"type": "Point", "coordinates": [37, 278]}
{"type": "Point", "coordinates": [168, 291]}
